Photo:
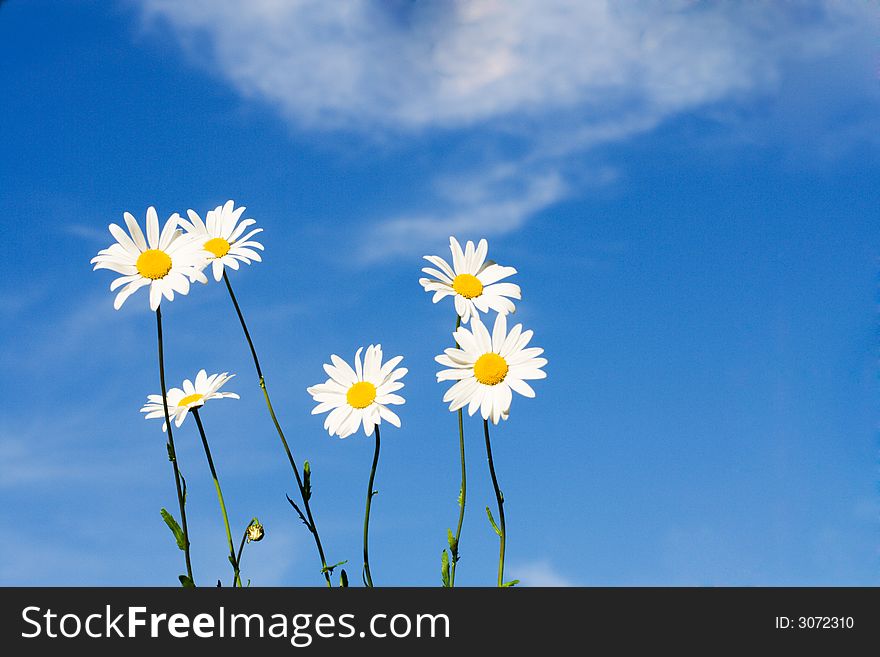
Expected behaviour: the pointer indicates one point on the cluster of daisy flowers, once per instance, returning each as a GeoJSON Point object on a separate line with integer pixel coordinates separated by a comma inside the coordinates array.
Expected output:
{"type": "Point", "coordinates": [169, 261]}
{"type": "Point", "coordinates": [485, 367]}
{"type": "Point", "coordinates": [166, 262]}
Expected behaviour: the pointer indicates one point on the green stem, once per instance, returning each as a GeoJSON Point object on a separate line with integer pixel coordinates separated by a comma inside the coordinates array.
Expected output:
{"type": "Point", "coordinates": [234, 560]}
{"type": "Point", "coordinates": [463, 488]}
{"type": "Point", "coordinates": [499, 496]}
{"type": "Point", "coordinates": [172, 453]}
{"type": "Point", "coordinates": [241, 548]}
{"type": "Point", "coordinates": [370, 492]}
{"type": "Point", "coordinates": [311, 526]}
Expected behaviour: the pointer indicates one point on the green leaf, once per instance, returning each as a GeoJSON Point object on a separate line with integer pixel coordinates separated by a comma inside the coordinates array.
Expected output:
{"type": "Point", "coordinates": [460, 498]}
{"type": "Point", "coordinates": [453, 544]}
{"type": "Point", "coordinates": [170, 451]}
{"type": "Point", "coordinates": [183, 481]}
{"type": "Point", "coordinates": [186, 582]}
{"type": "Point", "coordinates": [444, 570]}
{"type": "Point", "coordinates": [492, 521]}
{"type": "Point", "coordinates": [510, 584]}
{"type": "Point", "coordinates": [343, 579]}
{"type": "Point", "coordinates": [330, 569]}
{"type": "Point", "coordinates": [300, 513]}
{"type": "Point", "coordinates": [307, 481]}
{"type": "Point", "coordinates": [175, 529]}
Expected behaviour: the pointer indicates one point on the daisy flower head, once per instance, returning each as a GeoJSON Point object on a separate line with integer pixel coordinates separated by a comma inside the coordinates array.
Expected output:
{"type": "Point", "coordinates": [166, 261]}
{"type": "Point", "coordinates": [223, 237]}
{"type": "Point", "coordinates": [472, 280]}
{"type": "Point", "coordinates": [488, 368]}
{"type": "Point", "coordinates": [191, 395]}
{"type": "Point", "coordinates": [359, 396]}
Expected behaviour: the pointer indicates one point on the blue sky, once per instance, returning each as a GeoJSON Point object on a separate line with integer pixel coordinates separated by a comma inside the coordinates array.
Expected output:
{"type": "Point", "coordinates": [688, 190]}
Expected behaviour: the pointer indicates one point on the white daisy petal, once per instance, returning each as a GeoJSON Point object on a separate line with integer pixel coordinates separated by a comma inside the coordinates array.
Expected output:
{"type": "Point", "coordinates": [480, 256]}
{"type": "Point", "coordinates": [127, 291]}
{"type": "Point", "coordinates": [347, 374]}
{"type": "Point", "coordinates": [390, 416]}
{"type": "Point", "coordinates": [136, 233]}
{"type": "Point", "coordinates": [217, 269]}
{"type": "Point", "coordinates": [152, 228]}
{"type": "Point", "coordinates": [469, 250]}
{"type": "Point", "coordinates": [504, 290]}
{"type": "Point", "coordinates": [476, 399]}
{"type": "Point", "coordinates": [122, 237]}
{"type": "Point", "coordinates": [520, 386]}
{"type": "Point", "coordinates": [438, 275]}
{"type": "Point", "coordinates": [239, 230]}
{"type": "Point", "coordinates": [442, 265]}
{"type": "Point", "coordinates": [457, 256]}
{"type": "Point", "coordinates": [462, 307]}
{"type": "Point", "coordinates": [494, 273]}
{"type": "Point", "coordinates": [499, 333]}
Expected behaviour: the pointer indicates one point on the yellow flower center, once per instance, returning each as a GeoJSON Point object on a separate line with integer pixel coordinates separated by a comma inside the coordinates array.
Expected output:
{"type": "Point", "coordinates": [361, 394]}
{"type": "Point", "coordinates": [190, 399]}
{"type": "Point", "coordinates": [467, 285]}
{"type": "Point", "coordinates": [218, 246]}
{"type": "Point", "coordinates": [153, 264]}
{"type": "Point", "coordinates": [490, 369]}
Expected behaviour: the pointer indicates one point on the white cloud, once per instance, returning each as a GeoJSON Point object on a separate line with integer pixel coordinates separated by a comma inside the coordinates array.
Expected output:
{"type": "Point", "coordinates": [410, 65]}
{"type": "Point", "coordinates": [558, 76]}
{"type": "Point", "coordinates": [494, 202]}
{"type": "Point", "coordinates": [539, 573]}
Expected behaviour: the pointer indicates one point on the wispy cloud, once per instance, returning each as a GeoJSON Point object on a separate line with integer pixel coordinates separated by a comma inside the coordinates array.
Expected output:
{"type": "Point", "coordinates": [447, 64]}
{"type": "Point", "coordinates": [86, 232]}
{"type": "Point", "coordinates": [539, 573]}
{"type": "Point", "coordinates": [557, 77]}
{"type": "Point", "coordinates": [494, 203]}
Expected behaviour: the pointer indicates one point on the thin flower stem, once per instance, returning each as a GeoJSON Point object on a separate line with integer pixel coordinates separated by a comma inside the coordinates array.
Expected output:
{"type": "Point", "coordinates": [305, 499]}
{"type": "Point", "coordinates": [233, 559]}
{"type": "Point", "coordinates": [463, 489]}
{"type": "Point", "coordinates": [370, 492]}
{"type": "Point", "coordinates": [500, 497]}
{"type": "Point", "coordinates": [241, 546]}
{"type": "Point", "coordinates": [172, 453]}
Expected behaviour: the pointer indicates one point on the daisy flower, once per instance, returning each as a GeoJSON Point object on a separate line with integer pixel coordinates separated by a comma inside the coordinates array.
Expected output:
{"type": "Point", "coordinates": [487, 368]}
{"type": "Point", "coordinates": [223, 237]}
{"type": "Point", "coordinates": [359, 396]}
{"type": "Point", "coordinates": [166, 261]}
{"type": "Point", "coordinates": [472, 280]}
{"type": "Point", "coordinates": [192, 395]}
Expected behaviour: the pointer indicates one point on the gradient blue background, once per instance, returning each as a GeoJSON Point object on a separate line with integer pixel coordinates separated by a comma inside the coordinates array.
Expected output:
{"type": "Point", "coordinates": [705, 290]}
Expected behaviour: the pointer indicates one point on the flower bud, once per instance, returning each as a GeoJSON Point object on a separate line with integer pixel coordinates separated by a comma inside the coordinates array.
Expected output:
{"type": "Point", "coordinates": [255, 531]}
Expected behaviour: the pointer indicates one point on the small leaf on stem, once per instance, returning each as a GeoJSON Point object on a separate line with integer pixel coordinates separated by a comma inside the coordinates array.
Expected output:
{"type": "Point", "coordinates": [175, 529]}
{"type": "Point", "coordinates": [330, 569]}
{"type": "Point", "coordinates": [492, 521]}
{"type": "Point", "coordinates": [444, 570]}
{"type": "Point", "coordinates": [301, 516]}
